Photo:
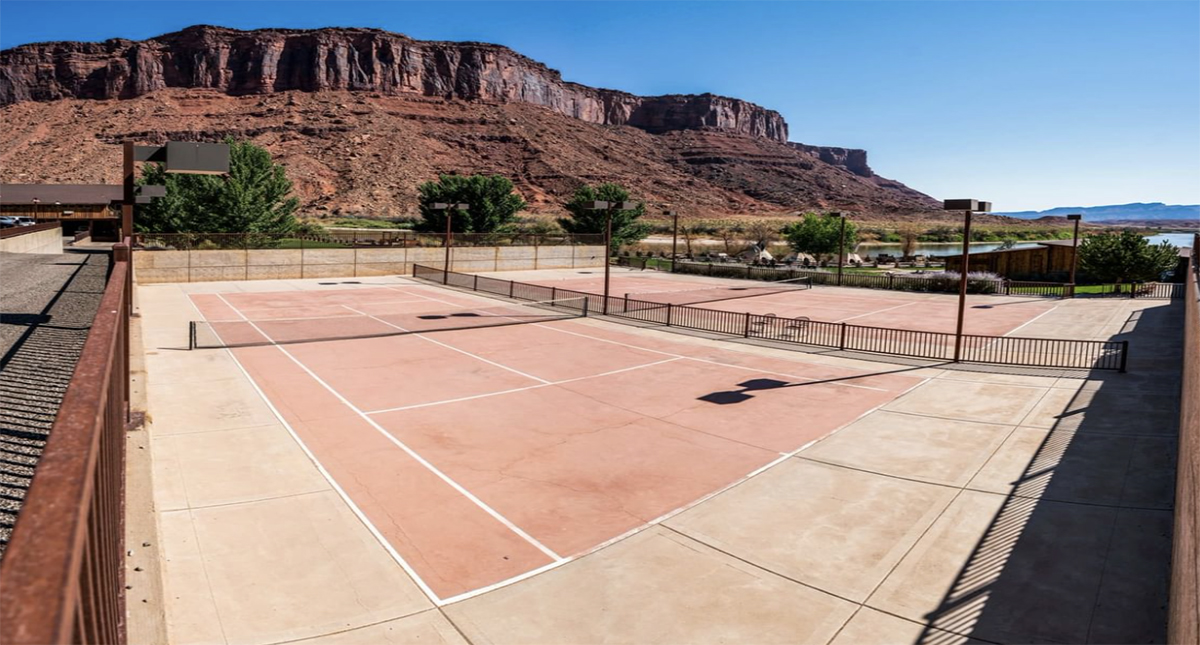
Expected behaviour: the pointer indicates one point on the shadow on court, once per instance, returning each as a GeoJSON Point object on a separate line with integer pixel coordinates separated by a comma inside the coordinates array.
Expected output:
{"type": "Point", "coordinates": [1080, 550]}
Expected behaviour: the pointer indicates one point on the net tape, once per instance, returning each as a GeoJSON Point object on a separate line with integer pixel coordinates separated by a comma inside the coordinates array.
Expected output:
{"type": "Point", "coordinates": [203, 334]}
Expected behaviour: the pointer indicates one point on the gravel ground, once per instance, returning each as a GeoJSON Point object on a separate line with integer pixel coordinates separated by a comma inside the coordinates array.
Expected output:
{"type": "Point", "coordinates": [48, 303]}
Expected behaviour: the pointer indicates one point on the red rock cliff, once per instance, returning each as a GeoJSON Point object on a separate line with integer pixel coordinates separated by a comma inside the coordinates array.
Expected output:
{"type": "Point", "coordinates": [275, 60]}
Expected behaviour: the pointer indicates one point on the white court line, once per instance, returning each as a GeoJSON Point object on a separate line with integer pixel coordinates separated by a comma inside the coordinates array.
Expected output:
{"type": "Point", "coordinates": [450, 347]}
{"type": "Point", "coordinates": [523, 389]}
{"type": "Point", "coordinates": [872, 313]}
{"type": "Point", "coordinates": [358, 512]}
{"type": "Point", "coordinates": [243, 317]}
{"type": "Point", "coordinates": [783, 456]}
{"type": "Point", "coordinates": [421, 295]}
{"type": "Point", "coordinates": [1031, 320]}
{"type": "Point", "coordinates": [412, 453]}
{"type": "Point", "coordinates": [560, 561]}
{"type": "Point", "coordinates": [711, 362]}
{"type": "Point", "coordinates": [690, 358]}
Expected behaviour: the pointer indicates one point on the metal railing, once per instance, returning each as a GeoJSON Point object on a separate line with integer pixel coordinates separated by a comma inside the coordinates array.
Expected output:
{"type": "Point", "coordinates": [929, 284]}
{"type": "Point", "coordinates": [1184, 605]}
{"type": "Point", "coordinates": [1000, 350]}
{"type": "Point", "coordinates": [347, 239]}
{"type": "Point", "coordinates": [63, 571]}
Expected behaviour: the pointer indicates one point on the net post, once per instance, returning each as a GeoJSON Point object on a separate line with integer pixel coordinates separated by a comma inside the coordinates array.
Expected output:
{"type": "Point", "coordinates": [191, 335]}
{"type": "Point", "coordinates": [842, 338]}
{"type": "Point", "coordinates": [1124, 354]}
{"type": "Point", "coordinates": [476, 287]}
{"type": "Point", "coordinates": [553, 294]}
{"type": "Point", "coordinates": [510, 288]}
{"type": "Point", "coordinates": [746, 330]}
{"type": "Point", "coordinates": [586, 301]}
{"type": "Point", "coordinates": [668, 314]}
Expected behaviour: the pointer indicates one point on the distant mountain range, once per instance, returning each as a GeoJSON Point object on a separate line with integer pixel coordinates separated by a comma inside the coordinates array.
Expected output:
{"type": "Point", "coordinates": [1138, 211]}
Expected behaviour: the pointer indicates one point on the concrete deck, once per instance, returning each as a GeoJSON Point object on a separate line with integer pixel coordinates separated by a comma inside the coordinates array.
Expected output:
{"type": "Point", "coordinates": [981, 506]}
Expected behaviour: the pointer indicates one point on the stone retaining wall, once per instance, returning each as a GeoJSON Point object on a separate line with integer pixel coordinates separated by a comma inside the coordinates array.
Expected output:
{"type": "Point", "coordinates": [152, 267]}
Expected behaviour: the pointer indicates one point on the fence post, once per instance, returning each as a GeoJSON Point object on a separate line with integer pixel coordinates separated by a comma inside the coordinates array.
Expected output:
{"type": "Point", "coordinates": [842, 338]}
{"type": "Point", "coordinates": [710, 268]}
{"type": "Point", "coordinates": [553, 293]}
{"type": "Point", "coordinates": [476, 286]}
{"type": "Point", "coordinates": [668, 314]}
{"type": "Point", "coordinates": [1124, 354]}
{"type": "Point", "coordinates": [746, 332]}
{"type": "Point", "coordinates": [747, 271]}
{"type": "Point", "coordinates": [510, 288]}
{"type": "Point", "coordinates": [891, 280]}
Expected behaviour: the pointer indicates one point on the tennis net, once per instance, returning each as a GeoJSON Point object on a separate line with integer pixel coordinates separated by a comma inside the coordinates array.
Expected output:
{"type": "Point", "coordinates": [205, 334]}
{"type": "Point", "coordinates": [718, 293]}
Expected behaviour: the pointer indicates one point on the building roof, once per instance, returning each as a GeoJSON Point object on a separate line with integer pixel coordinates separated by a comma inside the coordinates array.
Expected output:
{"type": "Point", "coordinates": [61, 193]}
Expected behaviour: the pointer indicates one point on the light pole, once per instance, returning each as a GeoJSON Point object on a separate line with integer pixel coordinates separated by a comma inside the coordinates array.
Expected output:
{"type": "Point", "coordinates": [36, 201]}
{"type": "Point", "coordinates": [448, 210]}
{"type": "Point", "coordinates": [968, 206]}
{"type": "Point", "coordinates": [176, 157]}
{"type": "Point", "coordinates": [1074, 217]}
{"type": "Point", "coordinates": [608, 208]}
{"type": "Point", "coordinates": [674, 235]}
{"type": "Point", "coordinates": [841, 245]}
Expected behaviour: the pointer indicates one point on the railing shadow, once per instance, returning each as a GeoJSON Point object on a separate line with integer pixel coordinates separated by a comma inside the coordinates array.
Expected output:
{"type": "Point", "coordinates": [1080, 550]}
{"type": "Point", "coordinates": [34, 373]}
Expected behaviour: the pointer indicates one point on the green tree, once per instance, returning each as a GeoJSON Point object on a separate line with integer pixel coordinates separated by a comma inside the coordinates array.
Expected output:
{"type": "Point", "coordinates": [819, 235]}
{"type": "Point", "coordinates": [491, 203]}
{"type": "Point", "coordinates": [1124, 257]}
{"type": "Point", "coordinates": [253, 198]}
{"type": "Point", "coordinates": [626, 227]}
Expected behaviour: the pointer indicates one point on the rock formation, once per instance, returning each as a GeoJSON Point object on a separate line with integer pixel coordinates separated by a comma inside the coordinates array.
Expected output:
{"type": "Point", "coordinates": [369, 60]}
{"type": "Point", "coordinates": [360, 116]}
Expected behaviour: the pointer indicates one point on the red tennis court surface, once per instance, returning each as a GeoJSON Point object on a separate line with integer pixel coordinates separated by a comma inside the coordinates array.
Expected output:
{"type": "Point", "coordinates": [985, 315]}
{"type": "Point", "coordinates": [480, 455]}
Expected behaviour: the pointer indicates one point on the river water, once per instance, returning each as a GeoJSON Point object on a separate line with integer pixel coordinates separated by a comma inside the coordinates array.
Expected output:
{"type": "Point", "coordinates": [955, 248]}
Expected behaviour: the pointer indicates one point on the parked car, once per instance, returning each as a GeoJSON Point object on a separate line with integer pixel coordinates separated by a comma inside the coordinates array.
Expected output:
{"type": "Point", "coordinates": [25, 221]}
{"type": "Point", "coordinates": [7, 222]}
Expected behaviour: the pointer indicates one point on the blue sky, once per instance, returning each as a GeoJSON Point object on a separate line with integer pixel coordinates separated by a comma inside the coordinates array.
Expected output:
{"type": "Point", "coordinates": [1028, 104]}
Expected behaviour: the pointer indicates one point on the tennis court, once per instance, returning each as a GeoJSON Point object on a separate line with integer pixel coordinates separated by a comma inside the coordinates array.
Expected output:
{"type": "Point", "coordinates": [483, 441]}
{"type": "Point", "coordinates": [986, 315]}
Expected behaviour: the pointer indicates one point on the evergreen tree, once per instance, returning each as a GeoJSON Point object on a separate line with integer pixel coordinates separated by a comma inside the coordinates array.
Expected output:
{"type": "Point", "coordinates": [820, 235]}
{"type": "Point", "coordinates": [253, 198]}
{"type": "Point", "coordinates": [1125, 257]}
{"type": "Point", "coordinates": [491, 203]}
{"type": "Point", "coordinates": [626, 227]}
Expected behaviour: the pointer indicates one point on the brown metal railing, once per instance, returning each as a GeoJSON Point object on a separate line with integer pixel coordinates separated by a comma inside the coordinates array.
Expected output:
{"type": "Point", "coordinates": [63, 571]}
{"type": "Point", "coordinates": [1184, 606]}
{"type": "Point", "coordinates": [1000, 350]}
{"type": "Point", "coordinates": [17, 231]}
